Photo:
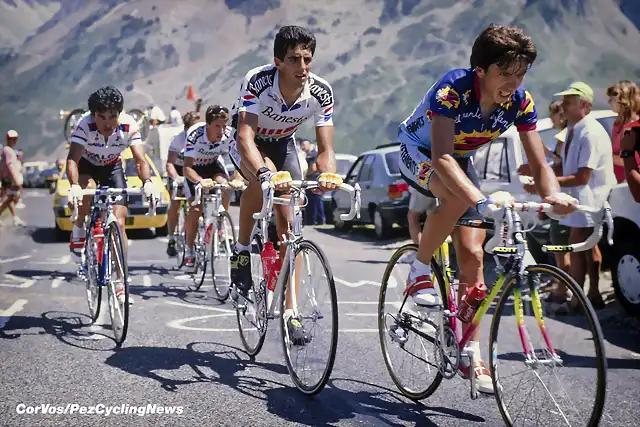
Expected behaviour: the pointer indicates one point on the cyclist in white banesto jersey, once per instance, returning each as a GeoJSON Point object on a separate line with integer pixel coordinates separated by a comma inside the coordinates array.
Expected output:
{"type": "Point", "coordinates": [94, 159]}
{"type": "Point", "coordinates": [175, 162]}
{"type": "Point", "coordinates": [203, 164]}
{"type": "Point", "coordinates": [274, 101]}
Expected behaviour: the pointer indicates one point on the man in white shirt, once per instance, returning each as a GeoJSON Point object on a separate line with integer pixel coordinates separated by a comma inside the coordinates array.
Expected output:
{"type": "Point", "coordinates": [175, 118]}
{"type": "Point", "coordinates": [587, 175]}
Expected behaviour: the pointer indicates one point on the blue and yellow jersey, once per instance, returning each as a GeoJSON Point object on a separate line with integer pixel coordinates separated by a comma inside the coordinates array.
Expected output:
{"type": "Point", "coordinates": [456, 95]}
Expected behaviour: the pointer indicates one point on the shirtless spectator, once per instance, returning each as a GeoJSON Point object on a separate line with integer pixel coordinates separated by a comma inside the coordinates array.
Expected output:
{"type": "Point", "coordinates": [10, 175]}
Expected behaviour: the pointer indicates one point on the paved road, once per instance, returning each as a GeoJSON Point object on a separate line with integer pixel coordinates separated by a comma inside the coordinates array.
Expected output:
{"type": "Point", "coordinates": [183, 348]}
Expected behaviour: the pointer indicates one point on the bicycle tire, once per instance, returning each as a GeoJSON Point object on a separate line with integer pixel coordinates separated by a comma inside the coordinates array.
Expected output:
{"type": "Point", "coordinates": [223, 295]}
{"type": "Point", "coordinates": [315, 388]}
{"type": "Point", "coordinates": [200, 246]}
{"type": "Point", "coordinates": [429, 390]}
{"type": "Point", "coordinates": [180, 238]}
{"type": "Point", "coordinates": [256, 249]}
{"type": "Point", "coordinates": [594, 324]}
{"type": "Point", "coordinates": [114, 230]}
{"type": "Point", "coordinates": [67, 132]}
{"type": "Point", "coordinates": [91, 270]}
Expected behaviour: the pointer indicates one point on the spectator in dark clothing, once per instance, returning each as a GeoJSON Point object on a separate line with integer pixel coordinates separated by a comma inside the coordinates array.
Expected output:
{"type": "Point", "coordinates": [315, 206]}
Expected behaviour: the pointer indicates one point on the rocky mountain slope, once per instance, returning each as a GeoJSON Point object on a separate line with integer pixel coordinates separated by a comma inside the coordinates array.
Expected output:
{"type": "Point", "coordinates": [379, 55]}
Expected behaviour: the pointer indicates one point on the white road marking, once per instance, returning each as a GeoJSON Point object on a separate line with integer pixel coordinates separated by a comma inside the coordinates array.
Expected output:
{"type": "Point", "coordinates": [146, 280]}
{"type": "Point", "coordinates": [179, 323]}
{"type": "Point", "coordinates": [202, 307]}
{"type": "Point", "coordinates": [16, 307]}
{"type": "Point", "coordinates": [163, 239]}
{"type": "Point", "coordinates": [356, 284]}
{"type": "Point", "coordinates": [18, 258]}
{"type": "Point", "coordinates": [56, 283]}
{"type": "Point", "coordinates": [65, 259]}
{"type": "Point", "coordinates": [362, 314]}
{"type": "Point", "coordinates": [26, 283]}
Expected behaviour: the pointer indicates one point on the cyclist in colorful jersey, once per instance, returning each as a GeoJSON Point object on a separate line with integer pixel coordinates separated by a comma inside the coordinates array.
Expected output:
{"type": "Point", "coordinates": [274, 101]}
{"type": "Point", "coordinates": [175, 160]}
{"type": "Point", "coordinates": [203, 164]}
{"type": "Point", "coordinates": [94, 160]}
{"type": "Point", "coordinates": [464, 110]}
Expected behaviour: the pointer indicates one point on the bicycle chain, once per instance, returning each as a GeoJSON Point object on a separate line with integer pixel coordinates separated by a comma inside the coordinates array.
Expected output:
{"type": "Point", "coordinates": [447, 365]}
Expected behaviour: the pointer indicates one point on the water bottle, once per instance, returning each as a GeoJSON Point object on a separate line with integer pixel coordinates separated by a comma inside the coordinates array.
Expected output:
{"type": "Point", "coordinates": [98, 235]}
{"type": "Point", "coordinates": [471, 301]}
{"type": "Point", "coordinates": [271, 265]}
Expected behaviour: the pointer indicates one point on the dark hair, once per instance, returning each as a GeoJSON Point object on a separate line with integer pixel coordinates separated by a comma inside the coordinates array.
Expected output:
{"type": "Point", "coordinates": [503, 46]}
{"type": "Point", "coordinates": [190, 118]}
{"type": "Point", "coordinates": [216, 112]}
{"type": "Point", "coordinates": [104, 99]}
{"type": "Point", "coordinates": [291, 36]}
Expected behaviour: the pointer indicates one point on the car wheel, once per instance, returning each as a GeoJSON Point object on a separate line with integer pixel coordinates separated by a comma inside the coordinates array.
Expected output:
{"type": "Point", "coordinates": [625, 274]}
{"type": "Point", "coordinates": [382, 226]}
{"type": "Point", "coordinates": [338, 223]}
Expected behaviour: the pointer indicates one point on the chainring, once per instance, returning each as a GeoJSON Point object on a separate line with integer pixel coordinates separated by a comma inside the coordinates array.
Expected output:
{"type": "Point", "coordinates": [447, 357]}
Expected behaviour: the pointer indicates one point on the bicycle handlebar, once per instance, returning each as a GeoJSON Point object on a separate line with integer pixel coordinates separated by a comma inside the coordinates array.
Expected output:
{"type": "Point", "coordinates": [505, 214]}
{"type": "Point", "coordinates": [199, 192]}
{"type": "Point", "coordinates": [267, 197]}
{"type": "Point", "coordinates": [112, 192]}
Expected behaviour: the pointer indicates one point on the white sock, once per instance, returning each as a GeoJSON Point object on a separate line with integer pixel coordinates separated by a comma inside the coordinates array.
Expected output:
{"type": "Point", "coordinates": [419, 269]}
{"type": "Point", "coordinates": [190, 250]}
{"type": "Point", "coordinates": [288, 313]}
{"type": "Point", "coordinates": [77, 231]}
{"type": "Point", "coordinates": [474, 346]}
{"type": "Point", "coordinates": [240, 248]}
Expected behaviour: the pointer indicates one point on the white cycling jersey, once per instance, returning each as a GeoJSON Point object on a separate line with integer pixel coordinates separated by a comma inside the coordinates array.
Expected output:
{"type": "Point", "coordinates": [260, 95]}
{"type": "Point", "coordinates": [199, 147]}
{"type": "Point", "coordinates": [177, 146]}
{"type": "Point", "coordinates": [100, 150]}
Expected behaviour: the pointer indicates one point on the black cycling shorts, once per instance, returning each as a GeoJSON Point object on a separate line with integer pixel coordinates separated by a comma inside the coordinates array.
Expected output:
{"type": "Point", "coordinates": [111, 175]}
{"type": "Point", "coordinates": [207, 171]}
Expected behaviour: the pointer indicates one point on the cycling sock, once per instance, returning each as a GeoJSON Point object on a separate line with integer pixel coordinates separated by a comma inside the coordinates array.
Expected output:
{"type": "Point", "coordinates": [240, 248]}
{"type": "Point", "coordinates": [77, 231]}
{"type": "Point", "coordinates": [419, 269]}
{"type": "Point", "coordinates": [473, 346]}
{"type": "Point", "coordinates": [288, 313]}
{"type": "Point", "coordinates": [190, 250]}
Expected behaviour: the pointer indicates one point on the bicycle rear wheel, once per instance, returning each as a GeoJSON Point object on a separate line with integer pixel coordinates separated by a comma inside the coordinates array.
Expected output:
{"type": "Point", "coordinates": [71, 122]}
{"type": "Point", "coordinates": [252, 316]}
{"type": "Point", "coordinates": [117, 273]}
{"type": "Point", "coordinates": [221, 264]}
{"type": "Point", "coordinates": [314, 316]}
{"type": "Point", "coordinates": [542, 357]}
{"type": "Point", "coordinates": [397, 326]}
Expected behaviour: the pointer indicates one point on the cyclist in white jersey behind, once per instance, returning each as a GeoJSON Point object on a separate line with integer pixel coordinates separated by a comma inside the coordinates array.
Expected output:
{"type": "Point", "coordinates": [274, 101]}
{"type": "Point", "coordinates": [203, 164]}
{"type": "Point", "coordinates": [94, 160]}
{"type": "Point", "coordinates": [174, 165]}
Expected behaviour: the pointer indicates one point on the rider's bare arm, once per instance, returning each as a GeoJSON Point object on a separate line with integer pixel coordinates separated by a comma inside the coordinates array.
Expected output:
{"type": "Point", "coordinates": [326, 155]}
{"type": "Point", "coordinates": [188, 170]}
{"type": "Point", "coordinates": [582, 177]}
{"type": "Point", "coordinates": [544, 177]}
{"type": "Point", "coordinates": [447, 168]}
{"type": "Point", "coordinates": [75, 153]}
{"type": "Point", "coordinates": [142, 166]}
{"type": "Point", "coordinates": [249, 153]}
{"type": "Point", "coordinates": [171, 169]}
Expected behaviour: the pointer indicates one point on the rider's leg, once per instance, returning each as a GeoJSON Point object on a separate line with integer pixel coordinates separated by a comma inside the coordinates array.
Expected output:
{"type": "Point", "coordinates": [191, 226]}
{"type": "Point", "coordinates": [172, 217]}
{"type": "Point", "coordinates": [77, 240]}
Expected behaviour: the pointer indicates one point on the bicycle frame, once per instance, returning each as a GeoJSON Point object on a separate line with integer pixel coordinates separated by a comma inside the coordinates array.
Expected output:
{"type": "Point", "coordinates": [203, 197]}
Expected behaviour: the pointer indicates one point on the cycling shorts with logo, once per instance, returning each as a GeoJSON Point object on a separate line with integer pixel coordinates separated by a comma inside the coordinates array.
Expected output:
{"type": "Point", "coordinates": [111, 175]}
{"type": "Point", "coordinates": [205, 171]}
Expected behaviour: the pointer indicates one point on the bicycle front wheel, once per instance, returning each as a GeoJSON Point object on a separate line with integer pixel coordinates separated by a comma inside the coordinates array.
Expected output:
{"type": "Point", "coordinates": [118, 288]}
{"type": "Point", "coordinates": [312, 301]}
{"type": "Point", "coordinates": [180, 238]}
{"type": "Point", "coordinates": [94, 289]}
{"type": "Point", "coordinates": [201, 260]}
{"type": "Point", "coordinates": [558, 362]}
{"type": "Point", "coordinates": [221, 263]}
{"type": "Point", "coordinates": [412, 358]}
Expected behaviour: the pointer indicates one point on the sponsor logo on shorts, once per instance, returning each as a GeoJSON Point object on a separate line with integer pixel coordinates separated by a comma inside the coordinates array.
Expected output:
{"type": "Point", "coordinates": [407, 160]}
{"type": "Point", "coordinates": [423, 173]}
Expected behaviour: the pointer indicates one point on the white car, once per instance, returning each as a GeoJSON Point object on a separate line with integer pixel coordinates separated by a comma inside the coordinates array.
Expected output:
{"type": "Point", "coordinates": [497, 164]}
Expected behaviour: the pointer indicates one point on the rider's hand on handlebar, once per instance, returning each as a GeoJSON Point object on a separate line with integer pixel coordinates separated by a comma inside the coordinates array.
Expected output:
{"type": "Point", "coordinates": [150, 190]}
{"type": "Point", "coordinates": [75, 192]}
{"type": "Point", "coordinates": [207, 183]}
{"type": "Point", "coordinates": [280, 180]}
{"type": "Point", "coordinates": [328, 182]}
{"type": "Point", "coordinates": [497, 200]}
{"type": "Point", "coordinates": [563, 204]}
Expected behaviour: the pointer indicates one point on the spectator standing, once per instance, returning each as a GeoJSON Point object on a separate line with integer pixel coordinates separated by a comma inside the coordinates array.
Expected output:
{"type": "Point", "coordinates": [11, 177]}
{"type": "Point", "coordinates": [315, 207]}
{"type": "Point", "coordinates": [175, 119]}
{"type": "Point", "coordinates": [624, 99]}
{"type": "Point", "coordinates": [587, 175]}
{"type": "Point", "coordinates": [630, 145]}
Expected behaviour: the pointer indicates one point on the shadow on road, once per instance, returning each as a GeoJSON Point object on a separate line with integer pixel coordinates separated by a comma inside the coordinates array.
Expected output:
{"type": "Point", "coordinates": [43, 235]}
{"type": "Point", "coordinates": [70, 328]}
{"type": "Point", "coordinates": [368, 235]}
{"type": "Point", "coordinates": [43, 274]}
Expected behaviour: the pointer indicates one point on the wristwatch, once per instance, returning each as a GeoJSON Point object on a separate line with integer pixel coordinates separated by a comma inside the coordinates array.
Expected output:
{"type": "Point", "coordinates": [262, 170]}
{"type": "Point", "coordinates": [627, 153]}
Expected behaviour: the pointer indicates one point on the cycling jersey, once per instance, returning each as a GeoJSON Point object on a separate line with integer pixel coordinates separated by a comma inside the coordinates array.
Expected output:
{"type": "Point", "coordinates": [177, 146]}
{"type": "Point", "coordinates": [260, 95]}
{"type": "Point", "coordinates": [100, 150]}
{"type": "Point", "coordinates": [199, 147]}
{"type": "Point", "coordinates": [456, 95]}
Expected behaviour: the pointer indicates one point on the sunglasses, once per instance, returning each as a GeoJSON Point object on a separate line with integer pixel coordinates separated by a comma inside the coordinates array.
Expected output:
{"type": "Point", "coordinates": [218, 110]}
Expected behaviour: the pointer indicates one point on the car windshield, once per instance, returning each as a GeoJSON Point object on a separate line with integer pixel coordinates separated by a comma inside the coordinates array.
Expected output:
{"type": "Point", "coordinates": [343, 166]}
{"type": "Point", "coordinates": [392, 162]}
{"type": "Point", "coordinates": [131, 170]}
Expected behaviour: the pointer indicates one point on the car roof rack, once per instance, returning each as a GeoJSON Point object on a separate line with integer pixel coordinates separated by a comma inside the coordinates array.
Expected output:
{"type": "Point", "coordinates": [391, 144]}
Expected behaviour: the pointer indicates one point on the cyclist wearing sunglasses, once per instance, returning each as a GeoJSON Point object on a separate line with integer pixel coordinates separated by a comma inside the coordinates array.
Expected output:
{"type": "Point", "coordinates": [203, 164]}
